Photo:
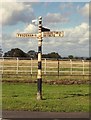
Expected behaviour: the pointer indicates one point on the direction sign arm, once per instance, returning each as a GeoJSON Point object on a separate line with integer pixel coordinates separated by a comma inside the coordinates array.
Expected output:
{"type": "Point", "coordinates": [26, 35]}
{"type": "Point", "coordinates": [53, 34]}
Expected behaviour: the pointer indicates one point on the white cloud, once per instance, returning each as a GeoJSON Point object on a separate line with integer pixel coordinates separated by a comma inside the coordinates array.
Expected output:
{"type": "Point", "coordinates": [79, 34]}
{"type": "Point", "coordinates": [21, 1]}
{"type": "Point", "coordinates": [25, 44]}
{"type": "Point", "coordinates": [10, 41]}
{"type": "Point", "coordinates": [65, 5]}
{"type": "Point", "coordinates": [55, 18]}
{"type": "Point", "coordinates": [84, 10]}
{"type": "Point", "coordinates": [0, 39]}
{"type": "Point", "coordinates": [28, 29]}
{"type": "Point", "coordinates": [31, 29]}
{"type": "Point", "coordinates": [15, 12]}
{"type": "Point", "coordinates": [75, 41]}
{"type": "Point", "coordinates": [8, 1]}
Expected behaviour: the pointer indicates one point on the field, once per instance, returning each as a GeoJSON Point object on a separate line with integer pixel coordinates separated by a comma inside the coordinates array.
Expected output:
{"type": "Point", "coordinates": [65, 85]}
{"type": "Point", "coordinates": [59, 98]}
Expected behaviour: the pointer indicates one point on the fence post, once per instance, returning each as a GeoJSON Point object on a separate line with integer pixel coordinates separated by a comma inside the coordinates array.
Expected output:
{"type": "Point", "coordinates": [45, 67]}
{"type": "Point", "coordinates": [83, 66]}
{"type": "Point", "coordinates": [3, 65]}
{"type": "Point", "coordinates": [17, 66]}
{"type": "Point", "coordinates": [58, 67]}
{"type": "Point", "coordinates": [31, 67]}
{"type": "Point", "coordinates": [71, 66]}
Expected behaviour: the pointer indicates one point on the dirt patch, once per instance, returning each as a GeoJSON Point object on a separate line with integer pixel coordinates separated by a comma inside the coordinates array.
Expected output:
{"type": "Point", "coordinates": [64, 82]}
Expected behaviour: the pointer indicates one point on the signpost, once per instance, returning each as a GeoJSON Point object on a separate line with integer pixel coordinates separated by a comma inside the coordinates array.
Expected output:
{"type": "Point", "coordinates": [42, 32]}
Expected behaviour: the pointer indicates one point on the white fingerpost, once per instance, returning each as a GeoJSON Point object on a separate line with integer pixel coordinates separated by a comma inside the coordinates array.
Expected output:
{"type": "Point", "coordinates": [39, 75]}
{"type": "Point", "coordinates": [42, 32]}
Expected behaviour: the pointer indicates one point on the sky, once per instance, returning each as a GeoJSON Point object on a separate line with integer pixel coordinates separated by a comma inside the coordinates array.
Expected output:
{"type": "Point", "coordinates": [70, 17]}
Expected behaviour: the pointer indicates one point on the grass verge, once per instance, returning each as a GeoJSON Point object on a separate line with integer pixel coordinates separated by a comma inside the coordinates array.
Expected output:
{"type": "Point", "coordinates": [59, 98]}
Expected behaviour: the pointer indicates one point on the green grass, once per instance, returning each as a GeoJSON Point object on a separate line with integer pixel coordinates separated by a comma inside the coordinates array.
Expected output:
{"type": "Point", "coordinates": [59, 98]}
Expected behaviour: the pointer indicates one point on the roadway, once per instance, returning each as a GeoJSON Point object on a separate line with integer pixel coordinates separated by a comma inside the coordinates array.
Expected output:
{"type": "Point", "coordinates": [10, 115]}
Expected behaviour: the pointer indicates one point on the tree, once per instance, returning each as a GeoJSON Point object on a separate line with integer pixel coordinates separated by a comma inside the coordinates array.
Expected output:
{"type": "Point", "coordinates": [70, 56]}
{"type": "Point", "coordinates": [1, 51]}
{"type": "Point", "coordinates": [32, 54]}
{"type": "Point", "coordinates": [16, 52]}
{"type": "Point", "coordinates": [51, 55]}
{"type": "Point", "coordinates": [54, 55]}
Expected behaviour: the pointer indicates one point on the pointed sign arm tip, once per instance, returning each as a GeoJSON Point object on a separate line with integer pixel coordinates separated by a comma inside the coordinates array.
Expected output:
{"type": "Point", "coordinates": [45, 29]}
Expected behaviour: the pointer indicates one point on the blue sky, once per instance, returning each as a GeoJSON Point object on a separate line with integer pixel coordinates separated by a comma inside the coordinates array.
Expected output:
{"type": "Point", "coordinates": [70, 17]}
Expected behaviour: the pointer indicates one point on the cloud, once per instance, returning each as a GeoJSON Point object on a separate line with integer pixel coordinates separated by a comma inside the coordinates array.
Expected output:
{"type": "Point", "coordinates": [75, 41]}
{"type": "Point", "coordinates": [78, 34]}
{"type": "Point", "coordinates": [55, 18]}
{"type": "Point", "coordinates": [0, 39]}
{"type": "Point", "coordinates": [68, 5]}
{"type": "Point", "coordinates": [15, 12]}
{"type": "Point", "coordinates": [84, 10]}
{"type": "Point", "coordinates": [81, 31]}
{"type": "Point", "coordinates": [8, 1]}
{"type": "Point", "coordinates": [28, 1]}
{"type": "Point", "coordinates": [31, 29]}
{"type": "Point", "coordinates": [27, 29]}
{"type": "Point", "coordinates": [10, 41]}
{"type": "Point", "coordinates": [26, 44]}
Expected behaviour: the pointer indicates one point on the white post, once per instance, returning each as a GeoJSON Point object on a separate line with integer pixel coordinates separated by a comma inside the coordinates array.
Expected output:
{"type": "Point", "coordinates": [71, 66]}
{"type": "Point", "coordinates": [3, 66]}
{"type": "Point", "coordinates": [31, 67]}
{"type": "Point", "coordinates": [83, 66]}
{"type": "Point", "coordinates": [17, 66]}
{"type": "Point", "coordinates": [45, 67]}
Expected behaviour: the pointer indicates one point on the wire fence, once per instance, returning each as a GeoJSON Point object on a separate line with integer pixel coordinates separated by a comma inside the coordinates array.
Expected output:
{"type": "Point", "coordinates": [49, 66]}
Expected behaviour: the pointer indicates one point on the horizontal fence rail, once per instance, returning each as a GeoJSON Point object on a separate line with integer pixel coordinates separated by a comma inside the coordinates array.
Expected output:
{"type": "Point", "coordinates": [49, 66]}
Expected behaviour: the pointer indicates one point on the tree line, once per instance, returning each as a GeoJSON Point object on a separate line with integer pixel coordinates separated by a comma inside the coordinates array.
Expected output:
{"type": "Point", "coordinates": [16, 52]}
{"type": "Point", "coordinates": [1, 51]}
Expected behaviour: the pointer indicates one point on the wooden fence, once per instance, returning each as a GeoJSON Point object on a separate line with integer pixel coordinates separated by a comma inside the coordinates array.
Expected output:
{"type": "Point", "coordinates": [49, 66]}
